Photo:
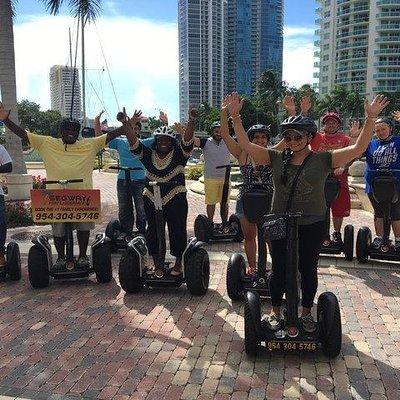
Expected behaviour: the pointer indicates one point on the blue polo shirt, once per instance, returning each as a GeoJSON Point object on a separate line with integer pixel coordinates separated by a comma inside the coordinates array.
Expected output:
{"type": "Point", "coordinates": [127, 159]}
{"type": "Point", "coordinates": [382, 154]}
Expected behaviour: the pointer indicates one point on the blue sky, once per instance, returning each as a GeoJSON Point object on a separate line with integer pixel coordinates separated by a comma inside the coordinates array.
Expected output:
{"type": "Point", "coordinates": [137, 80]}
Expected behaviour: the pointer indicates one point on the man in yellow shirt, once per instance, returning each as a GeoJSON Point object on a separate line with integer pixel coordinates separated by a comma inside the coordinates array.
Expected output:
{"type": "Point", "coordinates": [66, 158]}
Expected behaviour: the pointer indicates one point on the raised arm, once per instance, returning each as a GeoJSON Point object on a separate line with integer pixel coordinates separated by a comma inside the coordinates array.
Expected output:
{"type": "Point", "coordinates": [4, 114]}
{"type": "Point", "coordinates": [97, 124]}
{"type": "Point", "coordinates": [232, 145]}
{"type": "Point", "coordinates": [289, 105]}
{"type": "Point", "coordinates": [341, 157]}
{"type": "Point", "coordinates": [190, 127]}
{"type": "Point", "coordinates": [305, 105]}
{"type": "Point", "coordinates": [259, 154]}
{"type": "Point", "coordinates": [129, 125]}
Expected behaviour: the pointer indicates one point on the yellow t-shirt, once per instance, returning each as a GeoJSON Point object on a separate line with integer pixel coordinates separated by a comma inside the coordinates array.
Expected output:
{"type": "Point", "coordinates": [72, 161]}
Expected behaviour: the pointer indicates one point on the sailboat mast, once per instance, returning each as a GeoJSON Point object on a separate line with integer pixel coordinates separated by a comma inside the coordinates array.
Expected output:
{"type": "Point", "coordinates": [83, 73]}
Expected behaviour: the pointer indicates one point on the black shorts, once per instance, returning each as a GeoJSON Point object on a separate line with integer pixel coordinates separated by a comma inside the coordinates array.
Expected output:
{"type": "Point", "coordinates": [378, 209]}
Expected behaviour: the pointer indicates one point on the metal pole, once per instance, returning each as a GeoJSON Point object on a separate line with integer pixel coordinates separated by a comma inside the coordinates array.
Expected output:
{"type": "Point", "coordinates": [83, 74]}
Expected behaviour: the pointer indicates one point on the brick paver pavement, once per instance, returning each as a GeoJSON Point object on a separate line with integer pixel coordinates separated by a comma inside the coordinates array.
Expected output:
{"type": "Point", "coordinates": [84, 340]}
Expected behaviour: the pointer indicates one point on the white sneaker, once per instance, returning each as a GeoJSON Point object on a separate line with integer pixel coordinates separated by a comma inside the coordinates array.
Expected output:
{"type": "Point", "coordinates": [274, 321]}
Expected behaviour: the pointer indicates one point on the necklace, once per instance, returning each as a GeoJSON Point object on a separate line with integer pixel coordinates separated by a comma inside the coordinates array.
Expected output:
{"type": "Point", "coordinates": [161, 163]}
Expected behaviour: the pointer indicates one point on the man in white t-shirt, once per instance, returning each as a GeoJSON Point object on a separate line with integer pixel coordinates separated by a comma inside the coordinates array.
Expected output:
{"type": "Point", "coordinates": [5, 167]}
{"type": "Point", "coordinates": [215, 153]}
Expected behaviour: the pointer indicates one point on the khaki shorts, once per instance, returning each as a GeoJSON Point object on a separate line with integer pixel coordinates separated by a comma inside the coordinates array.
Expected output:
{"type": "Point", "coordinates": [213, 189]}
{"type": "Point", "coordinates": [59, 228]}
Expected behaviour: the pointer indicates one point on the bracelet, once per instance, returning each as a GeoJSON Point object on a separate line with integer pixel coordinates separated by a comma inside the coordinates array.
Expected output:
{"type": "Point", "coordinates": [236, 117]}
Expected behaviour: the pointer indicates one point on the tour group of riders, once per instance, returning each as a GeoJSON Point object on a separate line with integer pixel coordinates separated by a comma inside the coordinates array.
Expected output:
{"type": "Point", "coordinates": [163, 158]}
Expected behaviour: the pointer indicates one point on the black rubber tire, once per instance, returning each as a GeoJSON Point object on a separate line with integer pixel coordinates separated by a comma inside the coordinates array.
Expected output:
{"type": "Point", "coordinates": [102, 263]}
{"type": "Point", "coordinates": [234, 223]}
{"type": "Point", "coordinates": [203, 228]}
{"type": "Point", "coordinates": [348, 242]}
{"type": "Point", "coordinates": [197, 272]}
{"type": "Point", "coordinates": [13, 261]}
{"type": "Point", "coordinates": [38, 268]}
{"type": "Point", "coordinates": [329, 324]}
{"type": "Point", "coordinates": [234, 274]}
{"type": "Point", "coordinates": [364, 238]}
{"type": "Point", "coordinates": [113, 230]}
{"type": "Point", "coordinates": [129, 273]}
{"type": "Point", "coordinates": [251, 340]}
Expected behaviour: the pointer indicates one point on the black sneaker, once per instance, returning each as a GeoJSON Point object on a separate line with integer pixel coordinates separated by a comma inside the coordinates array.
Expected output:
{"type": "Point", "coordinates": [337, 238]}
{"type": "Point", "coordinates": [377, 242]}
{"type": "Point", "coordinates": [308, 324]}
{"type": "Point", "coordinates": [83, 262]}
{"type": "Point", "coordinates": [59, 264]}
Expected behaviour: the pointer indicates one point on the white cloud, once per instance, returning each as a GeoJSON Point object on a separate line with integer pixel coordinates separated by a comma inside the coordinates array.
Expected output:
{"type": "Point", "coordinates": [298, 55]}
{"type": "Point", "coordinates": [142, 57]}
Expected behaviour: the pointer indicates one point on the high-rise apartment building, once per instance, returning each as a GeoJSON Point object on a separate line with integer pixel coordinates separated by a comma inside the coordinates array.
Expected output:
{"type": "Point", "coordinates": [359, 45]}
{"type": "Point", "coordinates": [61, 78]}
{"type": "Point", "coordinates": [225, 45]}
{"type": "Point", "coordinates": [255, 42]}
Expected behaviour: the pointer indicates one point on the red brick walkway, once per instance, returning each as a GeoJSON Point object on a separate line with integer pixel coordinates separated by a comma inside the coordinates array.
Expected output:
{"type": "Point", "coordinates": [78, 340]}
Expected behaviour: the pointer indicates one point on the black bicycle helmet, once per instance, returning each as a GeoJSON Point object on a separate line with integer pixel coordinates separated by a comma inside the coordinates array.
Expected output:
{"type": "Point", "coordinates": [299, 123]}
{"type": "Point", "coordinates": [70, 124]}
{"type": "Point", "coordinates": [258, 128]}
{"type": "Point", "coordinates": [386, 120]}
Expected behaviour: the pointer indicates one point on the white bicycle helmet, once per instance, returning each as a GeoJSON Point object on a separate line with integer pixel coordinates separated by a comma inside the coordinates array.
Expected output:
{"type": "Point", "coordinates": [165, 131]}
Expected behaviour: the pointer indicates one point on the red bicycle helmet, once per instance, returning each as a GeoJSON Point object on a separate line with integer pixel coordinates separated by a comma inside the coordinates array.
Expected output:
{"type": "Point", "coordinates": [332, 115]}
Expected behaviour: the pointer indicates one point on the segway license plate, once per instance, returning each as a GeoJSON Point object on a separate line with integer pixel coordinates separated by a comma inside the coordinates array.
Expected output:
{"type": "Point", "coordinates": [291, 345]}
{"type": "Point", "coordinates": [65, 205]}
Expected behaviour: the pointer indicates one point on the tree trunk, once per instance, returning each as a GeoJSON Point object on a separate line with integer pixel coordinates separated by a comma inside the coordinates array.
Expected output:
{"type": "Point", "coordinates": [8, 89]}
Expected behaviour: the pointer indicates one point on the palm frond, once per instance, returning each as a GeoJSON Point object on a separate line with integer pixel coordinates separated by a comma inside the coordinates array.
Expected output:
{"type": "Point", "coordinates": [89, 9]}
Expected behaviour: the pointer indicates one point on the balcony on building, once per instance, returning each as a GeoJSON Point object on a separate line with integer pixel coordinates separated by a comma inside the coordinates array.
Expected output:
{"type": "Point", "coordinates": [388, 3]}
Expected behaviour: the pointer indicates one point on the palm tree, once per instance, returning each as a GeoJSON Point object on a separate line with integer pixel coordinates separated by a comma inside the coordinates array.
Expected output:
{"type": "Point", "coordinates": [87, 9]}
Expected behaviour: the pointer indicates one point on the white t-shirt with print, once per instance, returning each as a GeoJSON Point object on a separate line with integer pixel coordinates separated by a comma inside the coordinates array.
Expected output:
{"type": "Point", "coordinates": [4, 159]}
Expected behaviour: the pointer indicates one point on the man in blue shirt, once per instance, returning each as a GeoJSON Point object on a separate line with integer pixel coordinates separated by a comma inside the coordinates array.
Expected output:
{"type": "Point", "coordinates": [133, 190]}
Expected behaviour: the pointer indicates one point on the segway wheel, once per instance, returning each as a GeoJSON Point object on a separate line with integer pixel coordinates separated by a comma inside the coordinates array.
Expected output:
{"type": "Point", "coordinates": [329, 324]}
{"type": "Point", "coordinates": [234, 223]}
{"type": "Point", "coordinates": [13, 261]}
{"type": "Point", "coordinates": [113, 230]}
{"type": "Point", "coordinates": [38, 268]}
{"type": "Point", "coordinates": [348, 242]}
{"type": "Point", "coordinates": [197, 272]}
{"type": "Point", "coordinates": [234, 274]}
{"type": "Point", "coordinates": [102, 262]}
{"type": "Point", "coordinates": [203, 228]}
{"type": "Point", "coordinates": [129, 273]}
{"type": "Point", "coordinates": [252, 317]}
{"type": "Point", "coordinates": [364, 239]}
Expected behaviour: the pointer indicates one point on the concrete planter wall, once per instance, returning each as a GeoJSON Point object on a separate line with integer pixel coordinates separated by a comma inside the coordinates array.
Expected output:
{"type": "Point", "coordinates": [19, 186]}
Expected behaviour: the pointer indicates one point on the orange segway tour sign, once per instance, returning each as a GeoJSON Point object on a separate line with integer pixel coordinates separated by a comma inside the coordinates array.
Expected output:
{"type": "Point", "coordinates": [65, 205]}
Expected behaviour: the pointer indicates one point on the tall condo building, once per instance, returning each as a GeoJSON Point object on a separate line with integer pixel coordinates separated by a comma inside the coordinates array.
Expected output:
{"type": "Point", "coordinates": [359, 45]}
{"type": "Point", "coordinates": [225, 45]}
{"type": "Point", "coordinates": [254, 42]}
{"type": "Point", "coordinates": [61, 78]}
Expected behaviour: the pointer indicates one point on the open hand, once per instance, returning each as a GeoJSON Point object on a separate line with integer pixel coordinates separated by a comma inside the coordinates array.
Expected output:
{"type": "Point", "coordinates": [4, 114]}
{"type": "Point", "coordinates": [136, 117]}
{"type": "Point", "coordinates": [163, 117]}
{"type": "Point", "coordinates": [375, 108]}
{"type": "Point", "coordinates": [193, 113]}
{"type": "Point", "coordinates": [179, 128]}
{"type": "Point", "coordinates": [234, 104]}
{"type": "Point", "coordinates": [396, 115]}
{"type": "Point", "coordinates": [305, 104]}
{"type": "Point", "coordinates": [289, 104]}
{"type": "Point", "coordinates": [98, 116]}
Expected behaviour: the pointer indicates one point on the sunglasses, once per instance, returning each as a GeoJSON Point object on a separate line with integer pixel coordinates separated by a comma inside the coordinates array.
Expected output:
{"type": "Point", "coordinates": [294, 138]}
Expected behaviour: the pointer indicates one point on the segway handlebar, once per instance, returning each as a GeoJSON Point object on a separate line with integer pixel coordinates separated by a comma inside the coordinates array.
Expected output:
{"type": "Point", "coordinates": [227, 166]}
{"type": "Point", "coordinates": [272, 217]}
{"type": "Point", "coordinates": [125, 168]}
{"type": "Point", "coordinates": [64, 181]}
{"type": "Point", "coordinates": [253, 184]}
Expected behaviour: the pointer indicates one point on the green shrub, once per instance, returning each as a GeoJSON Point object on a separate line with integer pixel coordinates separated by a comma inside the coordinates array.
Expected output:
{"type": "Point", "coordinates": [38, 182]}
{"type": "Point", "coordinates": [194, 172]}
{"type": "Point", "coordinates": [18, 214]}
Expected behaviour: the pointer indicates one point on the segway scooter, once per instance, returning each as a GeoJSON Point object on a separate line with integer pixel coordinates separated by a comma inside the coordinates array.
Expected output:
{"type": "Point", "coordinates": [256, 204]}
{"type": "Point", "coordinates": [133, 264]}
{"type": "Point", "coordinates": [119, 241]}
{"type": "Point", "coordinates": [12, 269]}
{"type": "Point", "coordinates": [206, 231]}
{"type": "Point", "coordinates": [386, 191]}
{"type": "Point", "coordinates": [332, 188]}
{"type": "Point", "coordinates": [40, 259]}
{"type": "Point", "coordinates": [291, 336]}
